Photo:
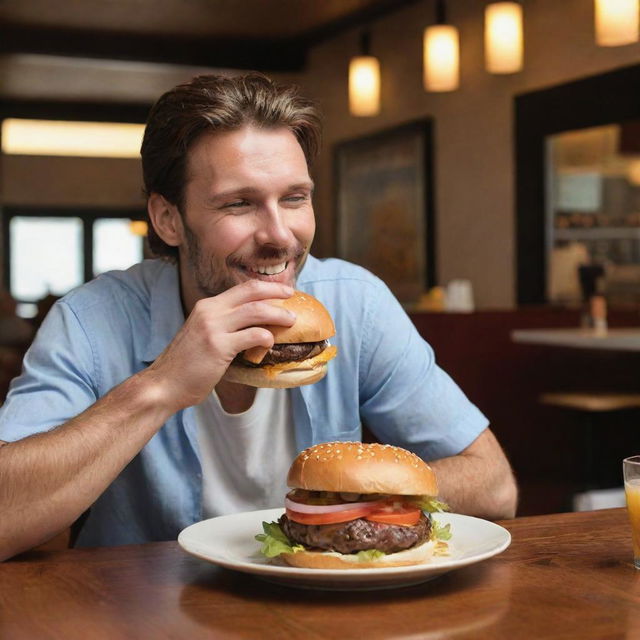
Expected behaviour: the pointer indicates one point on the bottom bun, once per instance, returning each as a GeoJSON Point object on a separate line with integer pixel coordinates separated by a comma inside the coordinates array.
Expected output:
{"type": "Point", "coordinates": [334, 560]}
{"type": "Point", "coordinates": [283, 376]}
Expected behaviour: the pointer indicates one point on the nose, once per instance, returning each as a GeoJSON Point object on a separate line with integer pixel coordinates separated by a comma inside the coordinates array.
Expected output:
{"type": "Point", "coordinates": [273, 228]}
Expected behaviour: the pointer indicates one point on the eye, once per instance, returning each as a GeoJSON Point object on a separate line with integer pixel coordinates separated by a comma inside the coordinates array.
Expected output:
{"type": "Point", "coordinates": [296, 198]}
{"type": "Point", "coordinates": [236, 204]}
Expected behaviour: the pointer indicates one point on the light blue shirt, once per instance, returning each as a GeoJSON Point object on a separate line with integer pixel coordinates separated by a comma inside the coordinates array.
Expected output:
{"type": "Point", "coordinates": [100, 334]}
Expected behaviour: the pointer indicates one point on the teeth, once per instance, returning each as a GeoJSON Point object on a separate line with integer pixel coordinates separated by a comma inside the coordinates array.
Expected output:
{"type": "Point", "coordinates": [270, 270]}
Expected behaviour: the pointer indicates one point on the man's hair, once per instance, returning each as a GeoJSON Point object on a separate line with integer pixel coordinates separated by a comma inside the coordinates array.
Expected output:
{"type": "Point", "coordinates": [212, 103]}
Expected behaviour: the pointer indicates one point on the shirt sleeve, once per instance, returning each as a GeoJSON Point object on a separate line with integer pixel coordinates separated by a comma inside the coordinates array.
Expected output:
{"type": "Point", "coordinates": [406, 399]}
{"type": "Point", "coordinates": [57, 381]}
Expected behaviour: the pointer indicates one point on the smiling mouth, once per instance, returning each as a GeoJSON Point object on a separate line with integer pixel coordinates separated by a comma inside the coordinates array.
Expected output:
{"type": "Point", "coordinates": [268, 270]}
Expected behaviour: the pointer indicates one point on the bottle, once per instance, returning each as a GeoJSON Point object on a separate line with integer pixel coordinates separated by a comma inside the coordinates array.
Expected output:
{"type": "Point", "coordinates": [598, 312]}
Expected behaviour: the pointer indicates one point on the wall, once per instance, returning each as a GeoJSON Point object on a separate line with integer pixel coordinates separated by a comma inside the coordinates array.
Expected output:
{"type": "Point", "coordinates": [474, 171]}
{"type": "Point", "coordinates": [72, 182]}
{"type": "Point", "coordinates": [546, 445]}
{"type": "Point", "coordinates": [474, 175]}
{"type": "Point", "coordinates": [32, 180]}
{"type": "Point", "coordinates": [82, 182]}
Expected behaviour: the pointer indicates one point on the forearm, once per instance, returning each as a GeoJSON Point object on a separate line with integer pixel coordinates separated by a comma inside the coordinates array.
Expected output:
{"type": "Point", "coordinates": [478, 481]}
{"type": "Point", "coordinates": [48, 480]}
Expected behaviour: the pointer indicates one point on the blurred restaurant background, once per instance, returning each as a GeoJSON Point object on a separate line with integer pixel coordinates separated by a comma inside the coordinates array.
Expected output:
{"type": "Point", "coordinates": [485, 162]}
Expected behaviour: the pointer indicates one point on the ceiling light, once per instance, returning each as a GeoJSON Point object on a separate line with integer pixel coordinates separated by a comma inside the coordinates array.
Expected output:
{"type": "Point", "coordinates": [503, 41]}
{"type": "Point", "coordinates": [66, 138]}
{"type": "Point", "coordinates": [441, 54]}
{"type": "Point", "coordinates": [364, 81]}
{"type": "Point", "coordinates": [616, 22]}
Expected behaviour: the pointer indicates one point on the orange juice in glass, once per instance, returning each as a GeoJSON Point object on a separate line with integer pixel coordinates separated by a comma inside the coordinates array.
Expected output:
{"type": "Point", "coordinates": [631, 470]}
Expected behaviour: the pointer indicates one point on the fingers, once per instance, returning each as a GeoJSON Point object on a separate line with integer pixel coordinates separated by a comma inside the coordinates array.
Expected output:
{"type": "Point", "coordinates": [260, 313]}
{"type": "Point", "coordinates": [253, 290]}
{"type": "Point", "coordinates": [217, 329]}
{"type": "Point", "coordinates": [252, 337]}
{"type": "Point", "coordinates": [246, 305]}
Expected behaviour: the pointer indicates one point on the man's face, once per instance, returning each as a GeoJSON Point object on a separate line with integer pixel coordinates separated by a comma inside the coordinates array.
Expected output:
{"type": "Point", "coordinates": [247, 212]}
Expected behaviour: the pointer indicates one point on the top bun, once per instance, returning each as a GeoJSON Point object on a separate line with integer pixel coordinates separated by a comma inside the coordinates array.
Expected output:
{"type": "Point", "coordinates": [313, 322]}
{"type": "Point", "coordinates": [355, 467]}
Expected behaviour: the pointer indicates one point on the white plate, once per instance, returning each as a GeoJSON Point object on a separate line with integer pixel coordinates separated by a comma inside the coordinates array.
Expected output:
{"type": "Point", "coordinates": [229, 541]}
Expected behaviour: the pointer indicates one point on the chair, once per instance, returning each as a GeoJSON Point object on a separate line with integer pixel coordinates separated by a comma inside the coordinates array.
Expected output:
{"type": "Point", "coordinates": [592, 405]}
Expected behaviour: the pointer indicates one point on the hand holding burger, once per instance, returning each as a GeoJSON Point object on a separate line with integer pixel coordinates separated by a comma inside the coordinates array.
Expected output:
{"type": "Point", "coordinates": [356, 506]}
{"type": "Point", "coordinates": [300, 353]}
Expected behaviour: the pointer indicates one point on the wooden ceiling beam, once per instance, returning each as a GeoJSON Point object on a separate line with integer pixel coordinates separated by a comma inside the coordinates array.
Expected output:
{"type": "Point", "coordinates": [285, 54]}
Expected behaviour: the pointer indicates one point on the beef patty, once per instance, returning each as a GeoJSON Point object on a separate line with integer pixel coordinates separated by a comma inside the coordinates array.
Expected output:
{"type": "Point", "coordinates": [288, 352]}
{"type": "Point", "coordinates": [357, 535]}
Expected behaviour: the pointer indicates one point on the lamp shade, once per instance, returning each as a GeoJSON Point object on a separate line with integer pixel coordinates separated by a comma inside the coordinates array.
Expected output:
{"type": "Point", "coordinates": [364, 86]}
{"type": "Point", "coordinates": [503, 40]}
{"type": "Point", "coordinates": [616, 22]}
{"type": "Point", "coordinates": [441, 52]}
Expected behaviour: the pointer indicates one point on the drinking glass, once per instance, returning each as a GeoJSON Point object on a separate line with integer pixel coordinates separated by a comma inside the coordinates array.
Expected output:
{"type": "Point", "coordinates": [631, 470]}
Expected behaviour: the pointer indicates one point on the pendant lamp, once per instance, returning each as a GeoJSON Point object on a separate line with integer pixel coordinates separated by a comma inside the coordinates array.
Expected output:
{"type": "Point", "coordinates": [616, 22]}
{"type": "Point", "coordinates": [441, 54]}
{"type": "Point", "coordinates": [364, 81]}
{"type": "Point", "coordinates": [503, 39]}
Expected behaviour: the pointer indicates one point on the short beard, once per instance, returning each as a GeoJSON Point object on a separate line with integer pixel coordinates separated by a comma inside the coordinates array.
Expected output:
{"type": "Point", "coordinates": [208, 273]}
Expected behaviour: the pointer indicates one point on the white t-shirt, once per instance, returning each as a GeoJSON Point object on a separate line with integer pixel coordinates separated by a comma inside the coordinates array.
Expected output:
{"type": "Point", "coordinates": [245, 456]}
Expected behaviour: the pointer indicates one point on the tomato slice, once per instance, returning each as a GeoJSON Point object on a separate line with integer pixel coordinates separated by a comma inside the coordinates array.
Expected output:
{"type": "Point", "coordinates": [405, 515]}
{"type": "Point", "coordinates": [328, 518]}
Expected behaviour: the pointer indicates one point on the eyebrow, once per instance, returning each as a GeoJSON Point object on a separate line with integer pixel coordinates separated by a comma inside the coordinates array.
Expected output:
{"type": "Point", "coordinates": [247, 191]}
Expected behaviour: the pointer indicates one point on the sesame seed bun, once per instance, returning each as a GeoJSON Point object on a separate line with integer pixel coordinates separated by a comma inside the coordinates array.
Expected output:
{"type": "Point", "coordinates": [355, 467]}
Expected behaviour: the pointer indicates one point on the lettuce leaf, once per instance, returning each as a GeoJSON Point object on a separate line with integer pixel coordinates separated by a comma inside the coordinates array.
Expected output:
{"type": "Point", "coordinates": [274, 542]}
{"type": "Point", "coordinates": [429, 503]}
{"type": "Point", "coordinates": [370, 554]}
{"type": "Point", "coordinates": [440, 532]}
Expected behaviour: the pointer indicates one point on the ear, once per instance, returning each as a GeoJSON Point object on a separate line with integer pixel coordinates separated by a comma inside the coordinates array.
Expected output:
{"type": "Point", "coordinates": [166, 220]}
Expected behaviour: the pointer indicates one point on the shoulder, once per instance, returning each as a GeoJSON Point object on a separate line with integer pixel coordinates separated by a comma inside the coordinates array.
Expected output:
{"type": "Point", "coordinates": [130, 287]}
{"type": "Point", "coordinates": [353, 295]}
{"type": "Point", "coordinates": [338, 273]}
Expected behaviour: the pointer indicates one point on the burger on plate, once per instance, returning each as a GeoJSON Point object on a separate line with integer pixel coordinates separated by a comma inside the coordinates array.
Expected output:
{"type": "Point", "coordinates": [300, 353]}
{"type": "Point", "coordinates": [357, 506]}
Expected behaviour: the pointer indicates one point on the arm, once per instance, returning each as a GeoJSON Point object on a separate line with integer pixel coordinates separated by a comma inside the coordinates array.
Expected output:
{"type": "Point", "coordinates": [49, 479]}
{"type": "Point", "coordinates": [478, 481]}
{"type": "Point", "coordinates": [411, 402]}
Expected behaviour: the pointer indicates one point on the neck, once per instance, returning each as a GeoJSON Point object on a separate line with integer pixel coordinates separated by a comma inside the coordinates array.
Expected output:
{"type": "Point", "coordinates": [235, 398]}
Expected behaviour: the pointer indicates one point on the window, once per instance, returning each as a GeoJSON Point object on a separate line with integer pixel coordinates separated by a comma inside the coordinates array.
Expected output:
{"type": "Point", "coordinates": [593, 211]}
{"type": "Point", "coordinates": [116, 245]}
{"type": "Point", "coordinates": [576, 108]}
{"type": "Point", "coordinates": [51, 254]}
{"type": "Point", "coordinates": [46, 256]}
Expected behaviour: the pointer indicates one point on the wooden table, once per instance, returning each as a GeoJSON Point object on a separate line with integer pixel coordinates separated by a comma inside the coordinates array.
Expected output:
{"type": "Point", "coordinates": [565, 576]}
{"type": "Point", "coordinates": [619, 339]}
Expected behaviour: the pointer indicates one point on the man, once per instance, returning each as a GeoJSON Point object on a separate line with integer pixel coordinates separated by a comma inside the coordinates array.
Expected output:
{"type": "Point", "coordinates": [122, 410]}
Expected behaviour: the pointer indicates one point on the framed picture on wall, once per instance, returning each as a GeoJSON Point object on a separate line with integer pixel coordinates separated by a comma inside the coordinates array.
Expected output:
{"type": "Point", "coordinates": [384, 206]}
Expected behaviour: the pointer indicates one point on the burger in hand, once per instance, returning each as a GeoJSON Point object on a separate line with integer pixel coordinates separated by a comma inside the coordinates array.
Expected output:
{"type": "Point", "coordinates": [300, 353]}
{"type": "Point", "coordinates": [357, 506]}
